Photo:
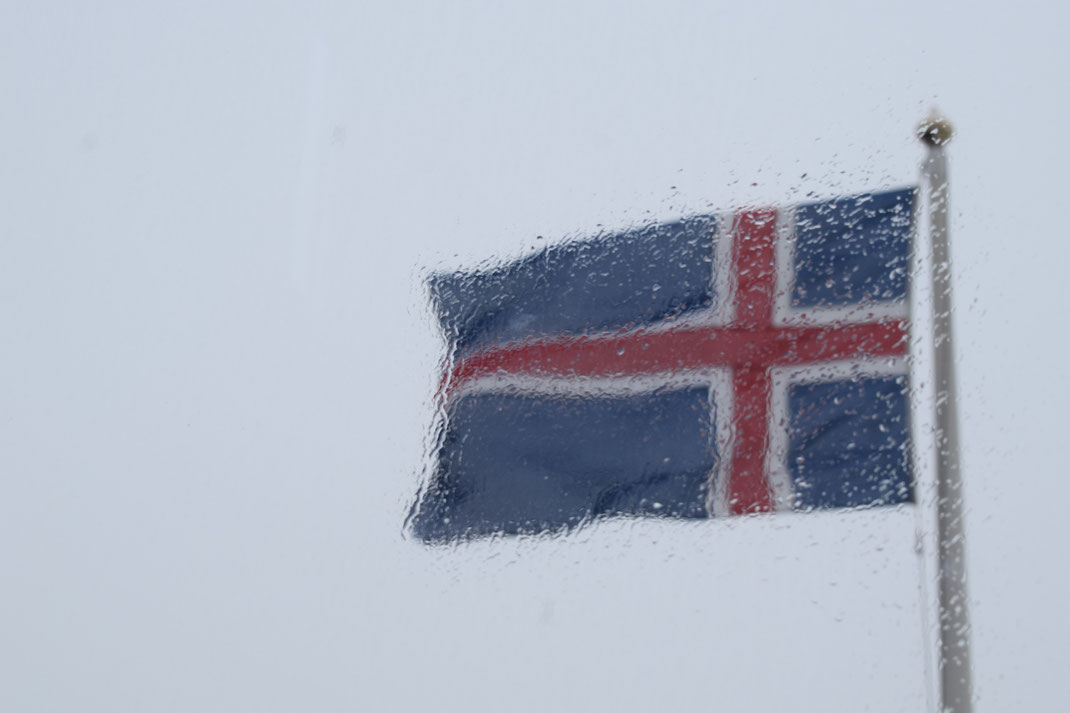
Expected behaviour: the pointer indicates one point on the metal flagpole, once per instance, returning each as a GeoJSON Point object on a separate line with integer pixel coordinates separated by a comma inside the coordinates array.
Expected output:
{"type": "Point", "coordinates": [954, 619]}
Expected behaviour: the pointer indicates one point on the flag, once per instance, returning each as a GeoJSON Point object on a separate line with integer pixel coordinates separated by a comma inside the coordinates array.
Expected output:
{"type": "Point", "coordinates": [723, 364]}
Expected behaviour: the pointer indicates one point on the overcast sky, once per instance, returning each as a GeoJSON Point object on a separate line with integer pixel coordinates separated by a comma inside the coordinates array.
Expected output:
{"type": "Point", "coordinates": [217, 359]}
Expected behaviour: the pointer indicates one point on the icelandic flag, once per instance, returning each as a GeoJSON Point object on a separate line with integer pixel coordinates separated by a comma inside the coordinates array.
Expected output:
{"type": "Point", "coordinates": [723, 364]}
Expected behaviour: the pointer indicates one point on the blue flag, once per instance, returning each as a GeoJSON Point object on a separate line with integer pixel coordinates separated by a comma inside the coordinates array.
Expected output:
{"type": "Point", "coordinates": [719, 365]}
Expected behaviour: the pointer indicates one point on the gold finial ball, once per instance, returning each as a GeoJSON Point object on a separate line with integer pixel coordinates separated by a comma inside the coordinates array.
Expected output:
{"type": "Point", "coordinates": [935, 131]}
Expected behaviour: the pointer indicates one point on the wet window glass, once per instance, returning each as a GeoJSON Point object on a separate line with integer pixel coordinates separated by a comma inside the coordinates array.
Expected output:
{"type": "Point", "coordinates": [541, 357]}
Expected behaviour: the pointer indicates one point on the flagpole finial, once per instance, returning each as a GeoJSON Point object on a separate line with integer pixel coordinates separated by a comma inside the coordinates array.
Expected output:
{"type": "Point", "coordinates": [935, 130]}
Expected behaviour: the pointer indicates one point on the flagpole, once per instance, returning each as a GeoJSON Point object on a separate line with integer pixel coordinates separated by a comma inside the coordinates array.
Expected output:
{"type": "Point", "coordinates": [954, 620]}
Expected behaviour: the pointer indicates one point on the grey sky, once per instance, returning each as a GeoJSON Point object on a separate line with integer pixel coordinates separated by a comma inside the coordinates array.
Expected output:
{"type": "Point", "coordinates": [217, 361]}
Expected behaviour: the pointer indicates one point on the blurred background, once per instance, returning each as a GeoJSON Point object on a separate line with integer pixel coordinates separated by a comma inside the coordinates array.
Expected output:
{"type": "Point", "coordinates": [217, 358]}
